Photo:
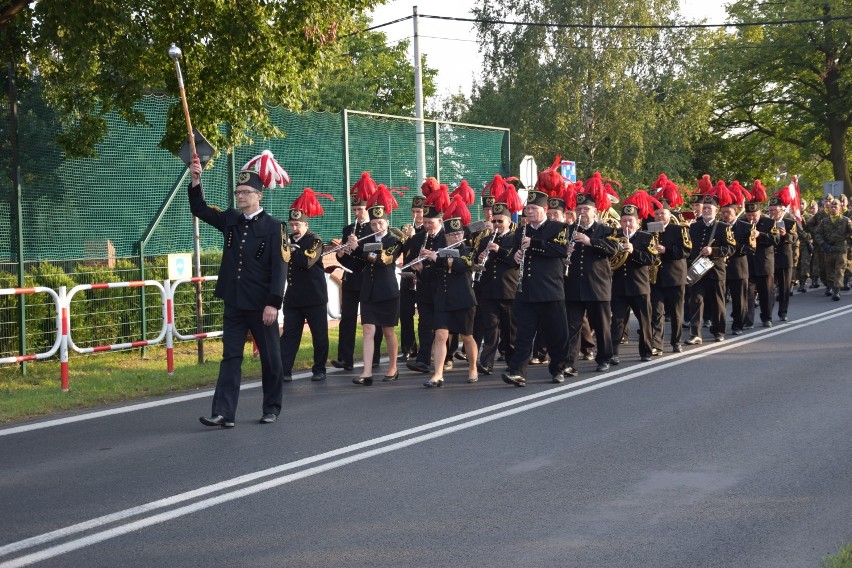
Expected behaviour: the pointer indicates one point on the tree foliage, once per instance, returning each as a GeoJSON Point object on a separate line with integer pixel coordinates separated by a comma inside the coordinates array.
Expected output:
{"type": "Point", "coordinates": [364, 73]}
{"type": "Point", "coordinates": [100, 57]}
{"type": "Point", "coordinates": [788, 88]}
{"type": "Point", "coordinates": [627, 102]}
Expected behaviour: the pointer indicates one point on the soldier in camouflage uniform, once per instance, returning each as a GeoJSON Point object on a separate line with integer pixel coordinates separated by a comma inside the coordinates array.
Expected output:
{"type": "Point", "coordinates": [818, 272]}
{"type": "Point", "coordinates": [832, 236]}
{"type": "Point", "coordinates": [806, 250]}
{"type": "Point", "coordinates": [847, 213]}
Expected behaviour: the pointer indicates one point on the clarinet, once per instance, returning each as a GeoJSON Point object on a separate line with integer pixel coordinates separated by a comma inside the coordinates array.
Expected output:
{"type": "Point", "coordinates": [570, 248]}
{"type": "Point", "coordinates": [523, 258]}
{"type": "Point", "coordinates": [477, 276]}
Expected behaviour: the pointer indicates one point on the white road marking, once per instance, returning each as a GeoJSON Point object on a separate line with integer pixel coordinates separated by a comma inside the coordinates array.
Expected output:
{"type": "Point", "coordinates": [522, 404]}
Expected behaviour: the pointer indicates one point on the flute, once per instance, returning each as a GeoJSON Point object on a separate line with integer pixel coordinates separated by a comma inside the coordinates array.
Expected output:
{"type": "Point", "coordinates": [421, 257]}
{"type": "Point", "coordinates": [344, 245]}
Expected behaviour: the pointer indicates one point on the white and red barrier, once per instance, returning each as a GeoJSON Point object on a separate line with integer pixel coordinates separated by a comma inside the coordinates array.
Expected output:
{"type": "Point", "coordinates": [58, 303]}
{"type": "Point", "coordinates": [172, 330]}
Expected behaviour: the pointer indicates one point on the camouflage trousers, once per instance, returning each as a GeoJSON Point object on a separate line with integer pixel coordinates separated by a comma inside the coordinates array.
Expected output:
{"type": "Point", "coordinates": [835, 268]}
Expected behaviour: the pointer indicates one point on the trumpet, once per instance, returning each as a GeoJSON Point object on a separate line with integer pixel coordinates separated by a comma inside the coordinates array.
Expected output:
{"type": "Point", "coordinates": [344, 245]}
{"type": "Point", "coordinates": [421, 257]}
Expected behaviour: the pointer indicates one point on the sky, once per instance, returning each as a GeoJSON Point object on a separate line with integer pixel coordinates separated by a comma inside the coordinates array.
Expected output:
{"type": "Point", "coordinates": [451, 47]}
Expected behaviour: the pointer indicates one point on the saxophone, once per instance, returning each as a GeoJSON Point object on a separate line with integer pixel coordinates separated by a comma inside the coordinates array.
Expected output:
{"type": "Point", "coordinates": [654, 270]}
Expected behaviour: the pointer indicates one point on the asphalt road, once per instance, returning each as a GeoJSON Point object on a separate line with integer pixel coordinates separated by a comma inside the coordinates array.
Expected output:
{"type": "Point", "coordinates": [730, 454]}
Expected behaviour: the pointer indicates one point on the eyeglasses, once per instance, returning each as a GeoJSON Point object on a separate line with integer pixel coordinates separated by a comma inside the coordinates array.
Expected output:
{"type": "Point", "coordinates": [497, 221]}
{"type": "Point", "coordinates": [240, 192]}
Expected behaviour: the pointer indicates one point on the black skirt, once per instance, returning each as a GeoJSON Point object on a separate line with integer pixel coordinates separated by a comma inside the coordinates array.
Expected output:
{"type": "Point", "coordinates": [381, 314]}
{"type": "Point", "coordinates": [455, 321]}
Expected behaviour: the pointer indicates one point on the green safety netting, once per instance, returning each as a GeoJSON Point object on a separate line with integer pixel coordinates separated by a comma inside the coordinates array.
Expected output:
{"type": "Point", "coordinates": [104, 206]}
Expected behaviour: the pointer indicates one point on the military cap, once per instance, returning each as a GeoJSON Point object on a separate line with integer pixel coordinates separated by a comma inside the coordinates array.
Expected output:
{"type": "Point", "coordinates": [775, 202]}
{"type": "Point", "coordinates": [501, 209]}
{"type": "Point", "coordinates": [535, 197]}
{"type": "Point", "coordinates": [556, 203]}
{"type": "Point", "coordinates": [418, 201]}
{"type": "Point", "coordinates": [585, 199]}
{"type": "Point", "coordinates": [251, 179]}
{"type": "Point", "coordinates": [488, 200]}
{"type": "Point", "coordinates": [297, 215]}
{"type": "Point", "coordinates": [629, 209]}
{"type": "Point", "coordinates": [430, 212]}
{"type": "Point", "coordinates": [710, 200]}
{"type": "Point", "coordinates": [752, 206]}
{"type": "Point", "coordinates": [377, 212]}
{"type": "Point", "coordinates": [453, 225]}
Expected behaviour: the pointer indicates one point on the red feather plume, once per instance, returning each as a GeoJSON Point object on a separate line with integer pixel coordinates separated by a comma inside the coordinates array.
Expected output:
{"type": "Point", "coordinates": [270, 171]}
{"type": "Point", "coordinates": [644, 202]}
{"type": "Point", "coordinates": [722, 193]}
{"type": "Point", "coordinates": [466, 192]}
{"type": "Point", "coordinates": [511, 198]}
{"type": "Point", "coordinates": [439, 198]}
{"type": "Point", "coordinates": [569, 194]}
{"type": "Point", "coordinates": [550, 180]}
{"type": "Point", "coordinates": [662, 181]}
{"type": "Point", "coordinates": [308, 203]}
{"type": "Point", "coordinates": [457, 208]}
{"type": "Point", "coordinates": [364, 188]}
{"type": "Point", "coordinates": [758, 191]}
{"type": "Point", "coordinates": [670, 193]}
{"type": "Point", "coordinates": [705, 185]}
{"type": "Point", "coordinates": [384, 197]}
{"type": "Point", "coordinates": [741, 194]}
{"type": "Point", "coordinates": [595, 187]}
{"type": "Point", "coordinates": [429, 186]}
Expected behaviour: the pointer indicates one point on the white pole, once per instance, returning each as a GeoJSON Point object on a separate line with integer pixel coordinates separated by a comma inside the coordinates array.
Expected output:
{"type": "Point", "coordinates": [418, 107]}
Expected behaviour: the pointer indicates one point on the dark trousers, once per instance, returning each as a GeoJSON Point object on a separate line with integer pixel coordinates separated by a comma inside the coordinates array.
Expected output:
{"type": "Point", "coordinates": [494, 320]}
{"type": "Point", "coordinates": [236, 325]}
{"type": "Point", "coordinates": [707, 302]}
{"type": "Point", "coordinates": [546, 319]}
{"type": "Point", "coordinates": [783, 277]}
{"type": "Point", "coordinates": [348, 326]}
{"type": "Point", "coordinates": [294, 323]}
{"type": "Point", "coordinates": [666, 301]}
{"type": "Point", "coordinates": [407, 339]}
{"type": "Point", "coordinates": [738, 289]}
{"type": "Point", "coordinates": [641, 306]}
{"type": "Point", "coordinates": [759, 287]}
{"type": "Point", "coordinates": [600, 316]}
{"type": "Point", "coordinates": [425, 333]}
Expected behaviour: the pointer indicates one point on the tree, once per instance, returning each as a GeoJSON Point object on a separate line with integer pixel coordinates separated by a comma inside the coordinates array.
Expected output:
{"type": "Point", "coordinates": [100, 57]}
{"type": "Point", "coordinates": [627, 102]}
{"type": "Point", "coordinates": [789, 83]}
{"type": "Point", "coordinates": [364, 73]}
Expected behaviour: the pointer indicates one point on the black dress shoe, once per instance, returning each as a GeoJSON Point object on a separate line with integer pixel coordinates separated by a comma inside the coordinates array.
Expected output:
{"type": "Point", "coordinates": [677, 348]}
{"type": "Point", "coordinates": [736, 332]}
{"type": "Point", "coordinates": [767, 323]}
{"type": "Point", "coordinates": [473, 379]}
{"type": "Point", "coordinates": [388, 378]}
{"type": "Point", "coordinates": [366, 381]}
{"type": "Point", "coordinates": [602, 367]}
{"type": "Point", "coordinates": [436, 383]}
{"type": "Point", "coordinates": [460, 356]}
{"type": "Point", "coordinates": [268, 418]}
{"type": "Point", "coordinates": [569, 371]}
{"type": "Point", "coordinates": [287, 378]}
{"type": "Point", "coordinates": [512, 379]}
{"type": "Point", "coordinates": [318, 377]}
{"type": "Point", "coordinates": [338, 364]}
{"type": "Point", "coordinates": [417, 366]}
{"type": "Point", "coordinates": [217, 420]}
{"type": "Point", "coordinates": [483, 369]}
{"type": "Point", "coordinates": [645, 358]}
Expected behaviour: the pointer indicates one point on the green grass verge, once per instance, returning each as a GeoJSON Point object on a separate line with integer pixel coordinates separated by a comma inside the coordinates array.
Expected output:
{"type": "Point", "coordinates": [842, 559]}
{"type": "Point", "coordinates": [109, 377]}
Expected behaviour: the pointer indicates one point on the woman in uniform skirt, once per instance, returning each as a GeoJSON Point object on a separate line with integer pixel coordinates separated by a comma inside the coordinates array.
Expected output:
{"type": "Point", "coordinates": [379, 293]}
{"type": "Point", "coordinates": [455, 303]}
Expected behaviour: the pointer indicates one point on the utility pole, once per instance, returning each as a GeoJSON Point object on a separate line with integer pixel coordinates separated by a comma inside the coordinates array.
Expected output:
{"type": "Point", "coordinates": [419, 127]}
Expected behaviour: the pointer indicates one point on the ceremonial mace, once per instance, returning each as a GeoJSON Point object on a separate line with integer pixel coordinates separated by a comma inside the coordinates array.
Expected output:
{"type": "Point", "coordinates": [175, 53]}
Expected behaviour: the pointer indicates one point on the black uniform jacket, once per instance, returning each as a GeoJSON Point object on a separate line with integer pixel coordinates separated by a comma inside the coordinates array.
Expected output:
{"type": "Point", "coordinates": [784, 250]}
{"type": "Point", "coordinates": [378, 275]}
{"type": "Point", "coordinates": [590, 276]}
{"type": "Point", "coordinates": [737, 268]}
{"type": "Point", "coordinates": [673, 268]}
{"type": "Point", "coordinates": [762, 261]}
{"type": "Point", "coordinates": [423, 241]}
{"type": "Point", "coordinates": [723, 245]}
{"type": "Point", "coordinates": [543, 267]}
{"type": "Point", "coordinates": [451, 281]}
{"type": "Point", "coordinates": [633, 278]}
{"type": "Point", "coordinates": [499, 280]}
{"type": "Point", "coordinates": [355, 263]}
{"type": "Point", "coordinates": [408, 275]}
{"type": "Point", "coordinates": [252, 271]}
{"type": "Point", "coordinates": [306, 277]}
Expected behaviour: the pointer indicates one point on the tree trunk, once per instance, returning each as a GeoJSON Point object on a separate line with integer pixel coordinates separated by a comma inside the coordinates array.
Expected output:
{"type": "Point", "coordinates": [837, 138]}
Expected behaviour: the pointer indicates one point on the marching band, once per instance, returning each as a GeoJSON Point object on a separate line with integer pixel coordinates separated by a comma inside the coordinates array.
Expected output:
{"type": "Point", "coordinates": [526, 291]}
